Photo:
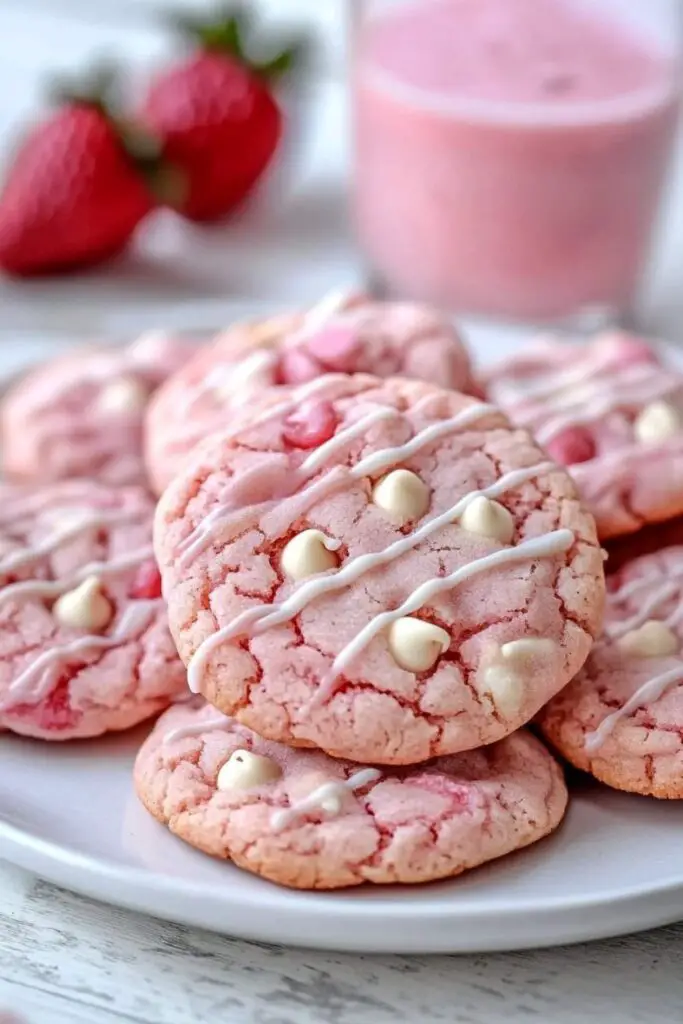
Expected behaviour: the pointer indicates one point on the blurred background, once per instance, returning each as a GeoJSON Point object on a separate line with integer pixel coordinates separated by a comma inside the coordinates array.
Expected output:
{"type": "Point", "coordinates": [291, 244]}
{"type": "Point", "coordinates": [176, 271]}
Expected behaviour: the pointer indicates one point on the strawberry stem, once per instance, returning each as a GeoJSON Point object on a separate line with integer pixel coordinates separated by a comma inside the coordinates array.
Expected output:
{"type": "Point", "coordinates": [229, 32]}
{"type": "Point", "coordinates": [97, 88]}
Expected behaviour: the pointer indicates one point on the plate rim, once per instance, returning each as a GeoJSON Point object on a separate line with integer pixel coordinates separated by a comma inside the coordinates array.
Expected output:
{"type": "Point", "coordinates": [318, 920]}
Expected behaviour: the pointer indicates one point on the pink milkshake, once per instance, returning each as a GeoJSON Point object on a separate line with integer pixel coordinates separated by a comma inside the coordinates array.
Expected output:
{"type": "Point", "coordinates": [510, 154]}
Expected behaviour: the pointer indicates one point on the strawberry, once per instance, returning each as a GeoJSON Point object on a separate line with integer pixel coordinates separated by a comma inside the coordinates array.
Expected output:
{"type": "Point", "coordinates": [216, 117]}
{"type": "Point", "coordinates": [73, 195]}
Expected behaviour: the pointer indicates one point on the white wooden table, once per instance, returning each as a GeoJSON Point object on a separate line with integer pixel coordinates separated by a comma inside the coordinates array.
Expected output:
{"type": "Point", "coordinates": [66, 960]}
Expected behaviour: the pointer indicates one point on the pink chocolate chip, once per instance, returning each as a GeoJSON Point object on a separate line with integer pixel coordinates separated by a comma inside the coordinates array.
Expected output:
{"type": "Point", "coordinates": [147, 582]}
{"type": "Point", "coordinates": [297, 366]}
{"type": "Point", "coordinates": [571, 446]}
{"type": "Point", "coordinates": [311, 425]}
{"type": "Point", "coordinates": [335, 347]}
{"type": "Point", "coordinates": [54, 712]}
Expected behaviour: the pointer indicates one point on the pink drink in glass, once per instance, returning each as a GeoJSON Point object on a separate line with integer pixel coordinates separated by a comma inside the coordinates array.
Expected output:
{"type": "Point", "coordinates": [510, 154]}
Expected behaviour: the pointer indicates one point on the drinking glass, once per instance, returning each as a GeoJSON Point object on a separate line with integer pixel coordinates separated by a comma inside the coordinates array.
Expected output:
{"type": "Point", "coordinates": [510, 155]}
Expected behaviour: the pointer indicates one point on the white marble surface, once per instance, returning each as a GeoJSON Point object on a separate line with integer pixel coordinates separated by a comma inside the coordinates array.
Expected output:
{"type": "Point", "coordinates": [65, 960]}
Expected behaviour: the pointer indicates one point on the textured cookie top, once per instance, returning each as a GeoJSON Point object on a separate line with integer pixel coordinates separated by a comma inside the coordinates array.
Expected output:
{"type": "Point", "coordinates": [305, 820]}
{"type": "Point", "coordinates": [612, 412]}
{"type": "Point", "coordinates": [344, 333]}
{"type": "Point", "coordinates": [622, 717]}
{"type": "Point", "coordinates": [383, 569]}
{"type": "Point", "coordinates": [82, 624]}
{"type": "Point", "coordinates": [81, 413]}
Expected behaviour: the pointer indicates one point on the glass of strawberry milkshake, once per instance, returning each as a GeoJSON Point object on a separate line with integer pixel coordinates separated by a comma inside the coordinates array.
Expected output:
{"type": "Point", "coordinates": [510, 155]}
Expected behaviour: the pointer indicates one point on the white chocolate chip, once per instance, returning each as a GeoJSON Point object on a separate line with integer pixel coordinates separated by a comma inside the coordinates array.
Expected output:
{"type": "Point", "coordinates": [507, 673]}
{"type": "Point", "coordinates": [657, 421]}
{"type": "Point", "coordinates": [505, 687]}
{"type": "Point", "coordinates": [244, 770]}
{"type": "Point", "coordinates": [124, 394]}
{"type": "Point", "coordinates": [521, 652]}
{"type": "Point", "coordinates": [402, 494]}
{"type": "Point", "coordinates": [309, 553]}
{"type": "Point", "coordinates": [416, 645]}
{"type": "Point", "coordinates": [85, 607]}
{"type": "Point", "coordinates": [489, 519]}
{"type": "Point", "coordinates": [651, 640]}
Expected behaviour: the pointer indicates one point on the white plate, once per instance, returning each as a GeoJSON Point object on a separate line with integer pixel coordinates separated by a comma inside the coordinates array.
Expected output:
{"type": "Point", "coordinates": [69, 813]}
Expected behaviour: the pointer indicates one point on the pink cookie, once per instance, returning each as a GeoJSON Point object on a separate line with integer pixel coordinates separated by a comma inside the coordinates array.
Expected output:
{"type": "Point", "coordinates": [342, 334]}
{"type": "Point", "coordinates": [622, 717]}
{"type": "Point", "coordinates": [612, 412]}
{"type": "Point", "coordinates": [304, 820]}
{"type": "Point", "coordinates": [81, 414]}
{"type": "Point", "coordinates": [84, 641]}
{"type": "Point", "coordinates": [382, 569]}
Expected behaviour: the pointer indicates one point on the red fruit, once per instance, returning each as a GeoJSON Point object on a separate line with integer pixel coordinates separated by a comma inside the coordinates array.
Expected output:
{"type": "Point", "coordinates": [217, 120]}
{"type": "Point", "coordinates": [73, 196]}
{"type": "Point", "coordinates": [147, 582]}
{"type": "Point", "coordinates": [311, 425]}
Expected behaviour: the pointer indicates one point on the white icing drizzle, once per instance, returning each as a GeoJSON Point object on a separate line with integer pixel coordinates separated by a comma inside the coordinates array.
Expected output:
{"type": "Point", "coordinates": [381, 460]}
{"type": "Point", "coordinates": [266, 616]}
{"type": "Point", "coordinates": [238, 379]}
{"type": "Point", "coordinates": [648, 693]}
{"type": "Point", "coordinates": [277, 517]}
{"type": "Point", "coordinates": [590, 406]}
{"type": "Point", "coordinates": [13, 561]}
{"type": "Point", "coordinates": [549, 384]}
{"type": "Point", "coordinates": [584, 368]}
{"type": "Point", "coordinates": [326, 309]}
{"type": "Point", "coordinates": [210, 724]}
{"type": "Point", "coordinates": [15, 506]}
{"type": "Point", "coordinates": [55, 588]}
{"type": "Point", "coordinates": [550, 544]}
{"type": "Point", "coordinates": [197, 540]}
{"type": "Point", "coordinates": [222, 516]}
{"type": "Point", "coordinates": [633, 586]}
{"type": "Point", "coordinates": [325, 451]}
{"type": "Point", "coordinates": [315, 588]}
{"type": "Point", "coordinates": [629, 380]}
{"type": "Point", "coordinates": [582, 393]}
{"type": "Point", "coordinates": [665, 592]}
{"type": "Point", "coordinates": [329, 791]}
{"type": "Point", "coordinates": [203, 533]}
{"type": "Point", "coordinates": [310, 389]}
{"type": "Point", "coordinates": [36, 681]}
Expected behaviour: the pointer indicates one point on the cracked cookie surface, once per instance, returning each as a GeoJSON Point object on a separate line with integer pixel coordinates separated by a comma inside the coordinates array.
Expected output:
{"type": "Point", "coordinates": [342, 333]}
{"type": "Point", "coordinates": [83, 628]}
{"type": "Point", "coordinates": [304, 820]}
{"type": "Point", "coordinates": [81, 414]}
{"type": "Point", "coordinates": [332, 582]}
{"type": "Point", "coordinates": [611, 411]}
{"type": "Point", "coordinates": [621, 719]}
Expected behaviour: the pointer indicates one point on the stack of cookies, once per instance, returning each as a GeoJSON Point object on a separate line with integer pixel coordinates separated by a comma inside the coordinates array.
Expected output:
{"type": "Point", "coordinates": [370, 577]}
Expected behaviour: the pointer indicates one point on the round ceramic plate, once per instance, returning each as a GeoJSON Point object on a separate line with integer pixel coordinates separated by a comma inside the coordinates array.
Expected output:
{"type": "Point", "coordinates": [69, 813]}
